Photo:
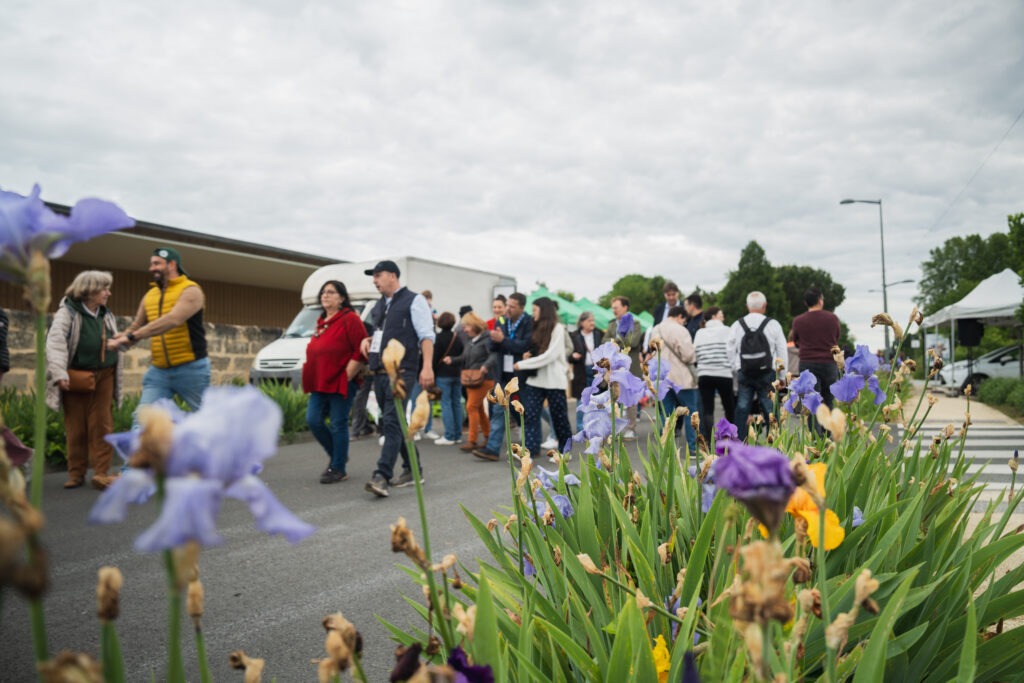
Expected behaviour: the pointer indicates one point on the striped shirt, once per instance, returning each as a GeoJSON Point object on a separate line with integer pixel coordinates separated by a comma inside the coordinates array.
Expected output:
{"type": "Point", "coordinates": [712, 350]}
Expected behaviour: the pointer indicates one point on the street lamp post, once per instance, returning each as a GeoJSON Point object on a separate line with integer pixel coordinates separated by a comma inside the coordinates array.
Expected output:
{"type": "Point", "coordinates": [881, 234]}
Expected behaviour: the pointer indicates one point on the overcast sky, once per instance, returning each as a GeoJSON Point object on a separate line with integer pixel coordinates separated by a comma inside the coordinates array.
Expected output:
{"type": "Point", "coordinates": [569, 142]}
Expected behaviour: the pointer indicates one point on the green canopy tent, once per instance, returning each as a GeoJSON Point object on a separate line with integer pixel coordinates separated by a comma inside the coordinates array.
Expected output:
{"type": "Point", "coordinates": [568, 311]}
{"type": "Point", "coordinates": [602, 316]}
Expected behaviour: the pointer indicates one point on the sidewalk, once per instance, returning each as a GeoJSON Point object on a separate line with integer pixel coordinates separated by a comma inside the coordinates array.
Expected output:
{"type": "Point", "coordinates": [953, 408]}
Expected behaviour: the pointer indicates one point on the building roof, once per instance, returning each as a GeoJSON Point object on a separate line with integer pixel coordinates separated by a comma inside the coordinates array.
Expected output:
{"type": "Point", "coordinates": [204, 256]}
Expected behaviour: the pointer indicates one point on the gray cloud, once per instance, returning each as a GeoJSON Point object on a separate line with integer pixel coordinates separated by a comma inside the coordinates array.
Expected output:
{"type": "Point", "coordinates": [565, 142]}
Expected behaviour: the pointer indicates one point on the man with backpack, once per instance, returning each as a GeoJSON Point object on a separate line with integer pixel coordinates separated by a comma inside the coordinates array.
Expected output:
{"type": "Point", "coordinates": [756, 345]}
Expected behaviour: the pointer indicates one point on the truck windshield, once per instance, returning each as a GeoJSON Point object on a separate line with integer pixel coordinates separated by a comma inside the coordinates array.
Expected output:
{"type": "Point", "coordinates": [304, 324]}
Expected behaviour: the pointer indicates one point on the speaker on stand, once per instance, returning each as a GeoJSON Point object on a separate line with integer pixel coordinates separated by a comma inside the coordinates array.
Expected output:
{"type": "Point", "coordinates": [969, 332]}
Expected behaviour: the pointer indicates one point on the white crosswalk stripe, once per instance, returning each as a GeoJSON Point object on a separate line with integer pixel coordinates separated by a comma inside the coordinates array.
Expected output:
{"type": "Point", "coordinates": [989, 447]}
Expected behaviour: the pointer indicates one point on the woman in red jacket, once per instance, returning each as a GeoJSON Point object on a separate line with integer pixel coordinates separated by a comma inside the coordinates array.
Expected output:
{"type": "Point", "coordinates": [333, 362]}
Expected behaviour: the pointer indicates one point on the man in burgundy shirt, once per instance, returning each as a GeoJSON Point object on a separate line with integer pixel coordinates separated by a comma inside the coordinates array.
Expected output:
{"type": "Point", "coordinates": [815, 333]}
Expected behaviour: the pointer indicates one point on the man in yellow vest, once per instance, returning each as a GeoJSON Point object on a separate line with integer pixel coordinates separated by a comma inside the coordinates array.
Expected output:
{"type": "Point", "coordinates": [170, 315]}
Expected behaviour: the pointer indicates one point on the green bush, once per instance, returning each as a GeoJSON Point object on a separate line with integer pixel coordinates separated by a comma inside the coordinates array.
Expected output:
{"type": "Point", "coordinates": [19, 414]}
{"type": "Point", "coordinates": [1015, 399]}
{"type": "Point", "coordinates": [293, 408]}
{"type": "Point", "coordinates": [996, 390]}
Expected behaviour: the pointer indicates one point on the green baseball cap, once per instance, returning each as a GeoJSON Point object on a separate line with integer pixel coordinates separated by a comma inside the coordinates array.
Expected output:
{"type": "Point", "coordinates": [170, 254]}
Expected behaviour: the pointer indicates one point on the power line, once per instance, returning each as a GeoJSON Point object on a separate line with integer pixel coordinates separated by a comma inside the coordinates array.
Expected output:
{"type": "Point", "coordinates": [976, 172]}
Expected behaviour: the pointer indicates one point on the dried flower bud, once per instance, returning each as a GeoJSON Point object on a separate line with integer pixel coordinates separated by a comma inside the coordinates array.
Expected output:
{"type": "Point", "coordinates": [195, 601]}
{"type": "Point", "coordinates": [341, 641]}
{"type": "Point", "coordinates": [253, 667]}
{"type": "Point", "coordinates": [837, 632]}
{"type": "Point", "coordinates": [1013, 462]}
{"type": "Point", "coordinates": [518, 407]}
{"type": "Point", "coordinates": [839, 357]}
{"type": "Point", "coordinates": [510, 521]}
{"type": "Point", "coordinates": [512, 387]}
{"type": "Point", "coordinates": [810, 601]}
{"type": "Point", "coordinates": [403, 541]}
{"type": "Point", "coordinates": [492, 524]}
{"type": "Point", "coordinates": [864, 587]}
{"type": "Point", "coordinates": [186, 562]}
{"type": "Point", "coordinates": [466, 619]}
{"type": "Point", "coordinates": [916, 317]}
{"type": "Point", "coordinates": [882, 319]}
{"type": "Point", "coordinates": [392, 357]}
{"type": "Point", "coordinates": [557, 553]}
{"type": "Point", "coordinates": [420, 413]}
{"type": "Point", "coordinates": [155, 439]}
{"type": "Point", "coordinates": [664, 553]}
{"type": "Point", "coordinates": [525, 467]}
{"type": "Point", "coordinates": [642, 601]}
{"type": "Point", "coordinates": [70, 667]}
{"type": "Point", "coordinates": [801, 570]}
{"type": "Point", "coordinates": [108, 593]}
{"type": "Point", "coordinates": [588, 564]}
{"type": "Point", "coordinates": [833, 420]}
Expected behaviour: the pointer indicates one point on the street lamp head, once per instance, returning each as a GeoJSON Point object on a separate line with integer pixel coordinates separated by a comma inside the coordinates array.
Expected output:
{"type": "Point", "coordinates": [848, 201]}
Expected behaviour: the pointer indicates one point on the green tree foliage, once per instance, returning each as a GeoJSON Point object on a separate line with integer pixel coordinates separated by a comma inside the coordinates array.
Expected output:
{"type": "Point", "coordinates": [565, 294]}
{"type": "Point", "coordinates": [644, 292]}
{"type": "Point", "coordinates": [796, 280]}
{"type": "Point", "coordinates": [754, 272]}
{"type": "Point", "coordinates": [955, 268]}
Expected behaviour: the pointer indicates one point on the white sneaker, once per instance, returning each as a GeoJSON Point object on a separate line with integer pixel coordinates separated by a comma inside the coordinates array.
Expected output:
{"type": "Point", "coordinates": [381, 440]}
{"type": "Point", "coordinates": [443, 442]}
{"type": "Point", "coordinates": [629, 435]}
{"type": "Point", "coordinates": [549, 443]}
{"type": "Point", "coordinates": [417, 436]}
{"type": "Point", "coordinates": [432, 435]}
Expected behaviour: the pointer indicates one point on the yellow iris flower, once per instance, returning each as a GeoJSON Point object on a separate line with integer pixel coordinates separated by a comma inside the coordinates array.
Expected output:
{"type": "Point", "coordinates": [662, 659]}
{"type": "Point", "coordinates": [801, 505]}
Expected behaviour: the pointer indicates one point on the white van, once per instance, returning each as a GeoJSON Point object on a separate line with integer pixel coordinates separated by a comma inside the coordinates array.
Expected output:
{"type": "Point", "coordinates": [452, 286]}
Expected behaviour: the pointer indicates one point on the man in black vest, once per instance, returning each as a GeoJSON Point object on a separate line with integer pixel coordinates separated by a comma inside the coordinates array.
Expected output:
{"type": "Point", "coordinates": [405, 316]}
{"type": "Point", "coordinates": [510, 339]}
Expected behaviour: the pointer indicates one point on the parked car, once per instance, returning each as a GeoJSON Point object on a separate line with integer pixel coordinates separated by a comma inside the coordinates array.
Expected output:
{"type": "Point", "coordinates": [1004, 362]}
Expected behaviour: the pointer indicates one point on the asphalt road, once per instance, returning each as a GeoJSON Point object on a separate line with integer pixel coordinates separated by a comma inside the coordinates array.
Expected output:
{"type": "Point", "coordinates": [263, 595]}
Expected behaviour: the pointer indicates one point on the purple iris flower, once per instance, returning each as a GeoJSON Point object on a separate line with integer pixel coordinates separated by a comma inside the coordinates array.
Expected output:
{"type": "Point", "coordinates": [549, 478]}
{"type": "Point", "coordinates": [876, 389]}
{"type": "Point", "coordinates": [847, 388]}
{"type": "Point", "coordinates": [801, 392]}
{"type": "Point", "coordinates": [625, 324]}
{"type": "Point", "coordinates": [858, 517]}
{"type": "Point", "coordinates": [631, 388]}
{"type": "Point", "coordinates": [614, 355]}
{"type": "Point", "coordinates": [211, 457]}
{"type": "Point", "coordinates": [658, 368]}
{"type": "Point", "coordinates": [561, 503]}
{"type": "Point", "coordinates": [528, 568]}
{"type": "Point", "coordinates": [725, 430]}
{"type": "Point", "coordinates": [597, 422]}
{"type": "Point", "coordinates": [27, 224]}
{"type": "Point", "coordinates": [466, 672]}
{"type": "Point", "coordinates": [757, 476]}
{"type": "Point", "coordinates": [863, 362]}
{"type": "Point", "coordinates": [708, 489]}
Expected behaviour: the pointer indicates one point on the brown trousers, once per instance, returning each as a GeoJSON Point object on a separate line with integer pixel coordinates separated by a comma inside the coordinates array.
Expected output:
{"type": "Point", "coordinates": [88, 417]}
{"type": "Point", "coordinates": [477, 409]}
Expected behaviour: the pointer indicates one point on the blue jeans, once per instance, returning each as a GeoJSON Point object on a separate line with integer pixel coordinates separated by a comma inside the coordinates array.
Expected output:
{"type": "Point", "coordinates": [751, 389]}
{"type": "Point", "coordinates": [685, 398]}
{"type": "Point", "coordinates": [533, 404]}
{"type": "Point", "coordinates": [416, 391]}
{"type": "Point", "coordinates": [394, 439]}
{"type": "Point", "coordinates": [333, 436]}
{"type": "Point", "coordinates": [451, 406]}
{"type": "Point", "coordinates": [188, 381]}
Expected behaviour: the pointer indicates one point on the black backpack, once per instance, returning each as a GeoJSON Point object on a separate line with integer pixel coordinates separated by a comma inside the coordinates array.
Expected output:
{"type": "Point", "coordinates": [755, 351]}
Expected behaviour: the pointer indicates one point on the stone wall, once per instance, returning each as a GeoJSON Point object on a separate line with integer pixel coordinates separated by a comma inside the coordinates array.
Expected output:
{"type": "Point", "coordinates": [232, 349]}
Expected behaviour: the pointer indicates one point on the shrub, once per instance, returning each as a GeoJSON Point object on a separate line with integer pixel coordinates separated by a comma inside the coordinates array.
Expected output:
{"type": "Point", "coordinates": [996, 390]}
{"type": "Point", "coordinates": [293, 404]}
{"type": "Point", "coordinates": [19, 414]}
{"type": "Point", "coordinates": [1015, 399]}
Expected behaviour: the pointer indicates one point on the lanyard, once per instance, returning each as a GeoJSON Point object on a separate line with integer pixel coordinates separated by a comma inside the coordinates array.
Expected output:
{"type": "Point", "coordinates": [512, 328]}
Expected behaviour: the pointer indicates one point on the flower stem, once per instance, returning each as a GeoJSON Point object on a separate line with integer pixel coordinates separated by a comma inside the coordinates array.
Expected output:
{"type": "Point", "coordinates": [414, 463]}
{"type": "Point", "coordinates": [204, 666]}
{"type": "Point", "coordinates": [111, 657]}
{"type": "Point", "coordinates": [36, 616]}
{"type": "Point", "coordinates": [826, 612]}
{"type": "Point", "coordinates": [175, 664]}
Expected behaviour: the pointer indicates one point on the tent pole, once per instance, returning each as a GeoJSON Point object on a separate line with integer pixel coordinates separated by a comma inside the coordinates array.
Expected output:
{"type": "Point", "coordinates": [952, 355]}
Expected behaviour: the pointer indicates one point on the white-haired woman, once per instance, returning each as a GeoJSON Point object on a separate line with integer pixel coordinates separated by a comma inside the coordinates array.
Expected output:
{"type": "Point", "coordinates": [83, 376]}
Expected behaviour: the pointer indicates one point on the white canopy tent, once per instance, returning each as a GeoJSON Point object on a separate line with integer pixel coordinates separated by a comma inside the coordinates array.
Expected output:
{"type": "Point", "coordinates": [995, 301]}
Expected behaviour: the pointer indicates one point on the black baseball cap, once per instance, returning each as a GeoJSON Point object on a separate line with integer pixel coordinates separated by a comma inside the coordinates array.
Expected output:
{"type": "Point", "coordinates": [384, 267]}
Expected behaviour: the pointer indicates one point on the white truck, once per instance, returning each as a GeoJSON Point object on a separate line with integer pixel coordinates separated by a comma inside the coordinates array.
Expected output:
{"type": "Point", "coordinates": [452, 286]}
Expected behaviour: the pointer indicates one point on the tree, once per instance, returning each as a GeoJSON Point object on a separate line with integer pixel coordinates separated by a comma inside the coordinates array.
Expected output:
{"type": "Point", "coordinates": [565, 294]}
{"type": "Point", "coordinates": [753, 273]}
{"type": "Point", "coordinates": [960, 264]}
{"type": "Point", "coordinates": [644, 293]}
{"type": "Point", "coordinates": [796, 280]}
